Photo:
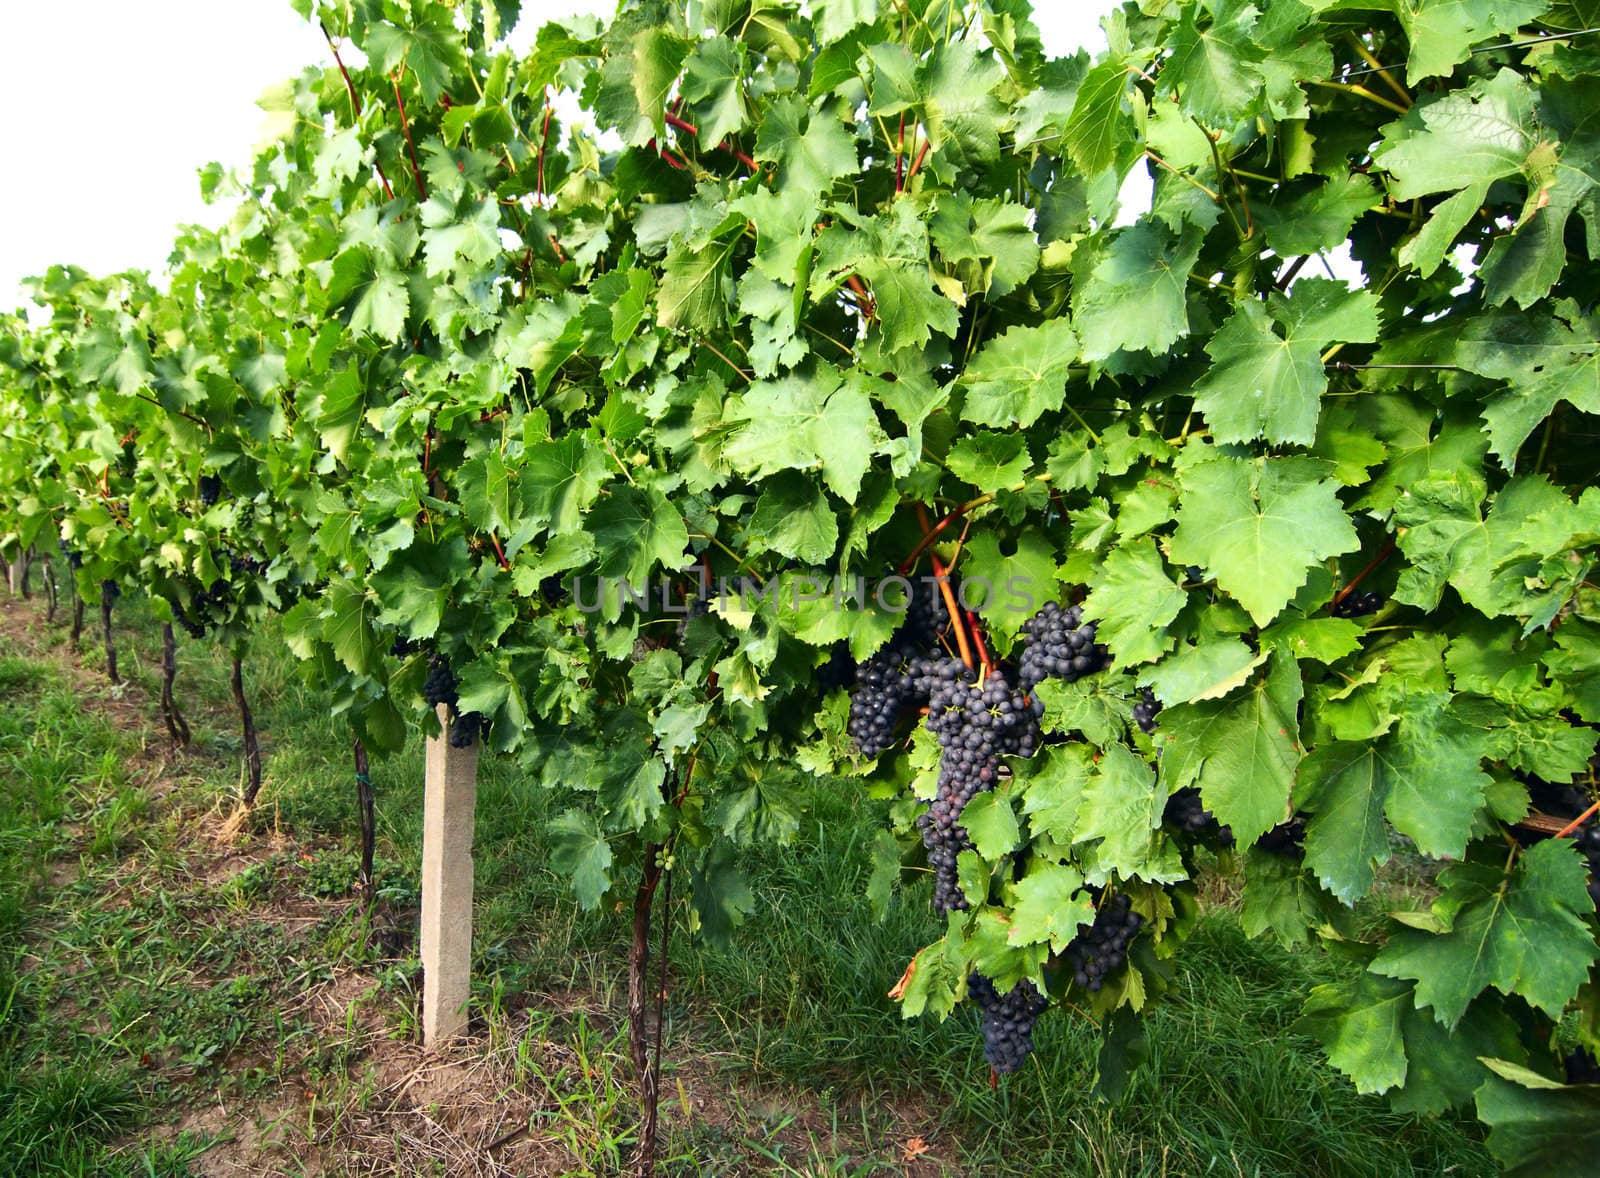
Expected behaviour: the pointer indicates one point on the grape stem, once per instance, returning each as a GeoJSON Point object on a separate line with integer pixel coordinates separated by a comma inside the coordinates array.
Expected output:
{"type": "Point", "coordinates": [929, 534]}
{"type": "Point", "coordinates": [921, 155]}
{"type": "Point", "coordinates": [1578, 821]}
{"type": "Point", "coordinates": [977, 640]}
{"type": "Point", "coordinates": [1350, 585]}
{"type": "Point", "coordinates": [544, 140]}
{"type": "Point", "coordinates": [726, 145]}
{"type": "Point", "coordinates": [950, 605]}
{"type": "Point", "coordinates": [405, 128]}
{"type": "Point", "coordinates": [355, 100]}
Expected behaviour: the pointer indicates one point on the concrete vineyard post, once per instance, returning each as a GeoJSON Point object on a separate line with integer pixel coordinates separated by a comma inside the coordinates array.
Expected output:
{"type": "Point", "coordinates": [450, 798]}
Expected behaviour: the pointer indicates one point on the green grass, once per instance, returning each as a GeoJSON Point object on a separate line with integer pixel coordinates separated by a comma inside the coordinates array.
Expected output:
{"type": "Point", "coordinates": [140, 987]}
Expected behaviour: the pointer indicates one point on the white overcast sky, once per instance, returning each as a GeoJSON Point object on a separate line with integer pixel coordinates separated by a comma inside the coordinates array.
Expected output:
{"type": "Point", "coordinates": [111, 108]}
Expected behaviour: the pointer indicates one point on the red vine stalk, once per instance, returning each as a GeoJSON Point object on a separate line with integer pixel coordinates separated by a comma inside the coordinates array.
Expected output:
{"type": "Point", "coordinates": [977, 640]}
{"type": "Point", "coordinates": [544, 140]}
{"type": "Point", "coordinates": [726, 145]}
{"type": "Point", "coordinates": [948, 594]}
{"type": "Point", "coordinates": [405, 128]}
{"type": "Point", "coordinates": [1382, 556]}
{"type": "Point", "coordinates": [922, 545]}
{"type": "Point", "coordinates": [953, 609]}
{"type": "Point", "coordinates": [500, 553]}
{"type": "Point", "coordinates": [1578, 821]}
{"type": "Point", "coordinates": [355, 100]}
{"type": "Point", "coordinates": [921, 155]}
{"type": "Point", "coordinates": [867, 303]}
{"type": "Point", "coordinates": [681, 124]}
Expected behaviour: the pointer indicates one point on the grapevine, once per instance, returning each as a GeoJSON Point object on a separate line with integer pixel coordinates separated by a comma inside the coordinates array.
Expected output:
{"type": "Point", "coordinates": [1225, 549]}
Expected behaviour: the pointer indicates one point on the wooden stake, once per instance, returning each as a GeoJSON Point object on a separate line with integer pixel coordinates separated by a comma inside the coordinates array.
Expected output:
{"type": "Point", "coordinates": [449, 800]}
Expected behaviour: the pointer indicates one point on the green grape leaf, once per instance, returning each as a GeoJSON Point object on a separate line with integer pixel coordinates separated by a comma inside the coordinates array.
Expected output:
{"type": "Point", "coordinates": [1320, 219]}
{"type": "Point", "coordinates": [581, 853]}
{"type": "Point", "coordinates": [1425, 775]}
{"type": "Point", "coordinates": [1373, 1033]}
{"type": "Point", "coordinates": [1133, 292]}
{"type": "Point", "coordinates": [350, 614]}
{"type": "Point", "coordinates": [1133, 601]}
{"type": "Point", "coordinates": [696, 289]}
{"type": "Point", "coordinates": [713, 83]}
{"type": "Point", "coordinates": [1539, 1129]}
{"type": "Point", "coordinates": [991, 462]}
{"type": "Point", "coordinates": [1266, 385]}
{"type": "Point", "coordinates": [1054, 783]}
{"type": "Point", "coordinates": [1215, 72]}
{"type": "Point", "coordinates": [1468, 137]}
{"type": "Point", "coordinates": [992, 824]}
{"type": "Point", "coordinates": [1522, 933]}
{"type": "Point", "coordinates": [806, 422]}
{"type": "Point", "coordinates": [1242, 751]}
{"type": "Point", "coordinates": [1259, 527]}
{"type": "Point", "coordinates": [1100, 126]}
{"type": "Point", "coordinates": [1020, 375]}
{"type": "Point", "coordinates": [1007, 589]}
{"type": "Point", "coordinates": [1442, 32]}
{"type": "Point", "coordinates": [560, 480]}
{"type": "Point", "coordinates": [1122, 808]}
{"type": "Point", "coordinates": [810, 161]}
{"type": "Point", "coordinates": [993, 236]}
{"type": "Point", "coordinates": [1208, 670]}
{"type": "Point", "coordinates": [1049, 906]}
{"type": "Point", "coordinates": [793, 519]}
{"type": "Point", "coordinates": [1544, 360]}
{"type": "Point", "coordinates": [430, 49]}
{"type": "Point", "coordinates": [635, 532]}
{"type": "Point", "coordinates": [373, 291]}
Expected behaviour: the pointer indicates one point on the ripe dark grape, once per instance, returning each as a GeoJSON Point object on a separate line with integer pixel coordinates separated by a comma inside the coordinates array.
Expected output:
{"type": "Point", "coordinates": [1356, 605]}
{"type": "Point", "coordinates": [1286, 838]}
{"type": "Point", "coordinates": [1587, 840]}
{"type": "Point", "coordinates": [1581, 1067]}
{"type": "Point", "coordinates": [1101, 949]}
{"type": "Point", "coordinates": [896, 679]}
{"type": "Point", "coordinates": [467, 729]}
{"type": "Point", "coordinates": [976, 724]}
{"type": "Point", "coordinates": [1561, 800]}
{"type": "Point", "coordinates": [1188, 813]}
{"type": "Point", "coordinates": [1007, 1021]}
{"type": "Point", "coordinates": [210, 489]}
{"type": "Point", "coordinates": [1057, 644]}
{"type": "Point", "coordinates": [110, 590]}
{"type": "Point", "coordinates": [191, 625]}
{"type": "Point", "coordinates": [839, 670]}
{"type": "Point", "coordinates": [74, 557]}
{"type": "Point", "coordinates": [246, 566]}
{"type": "Point", "coordinates": [440, 685]}
{"type": "Point", "coordinates": [1145, 710]}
